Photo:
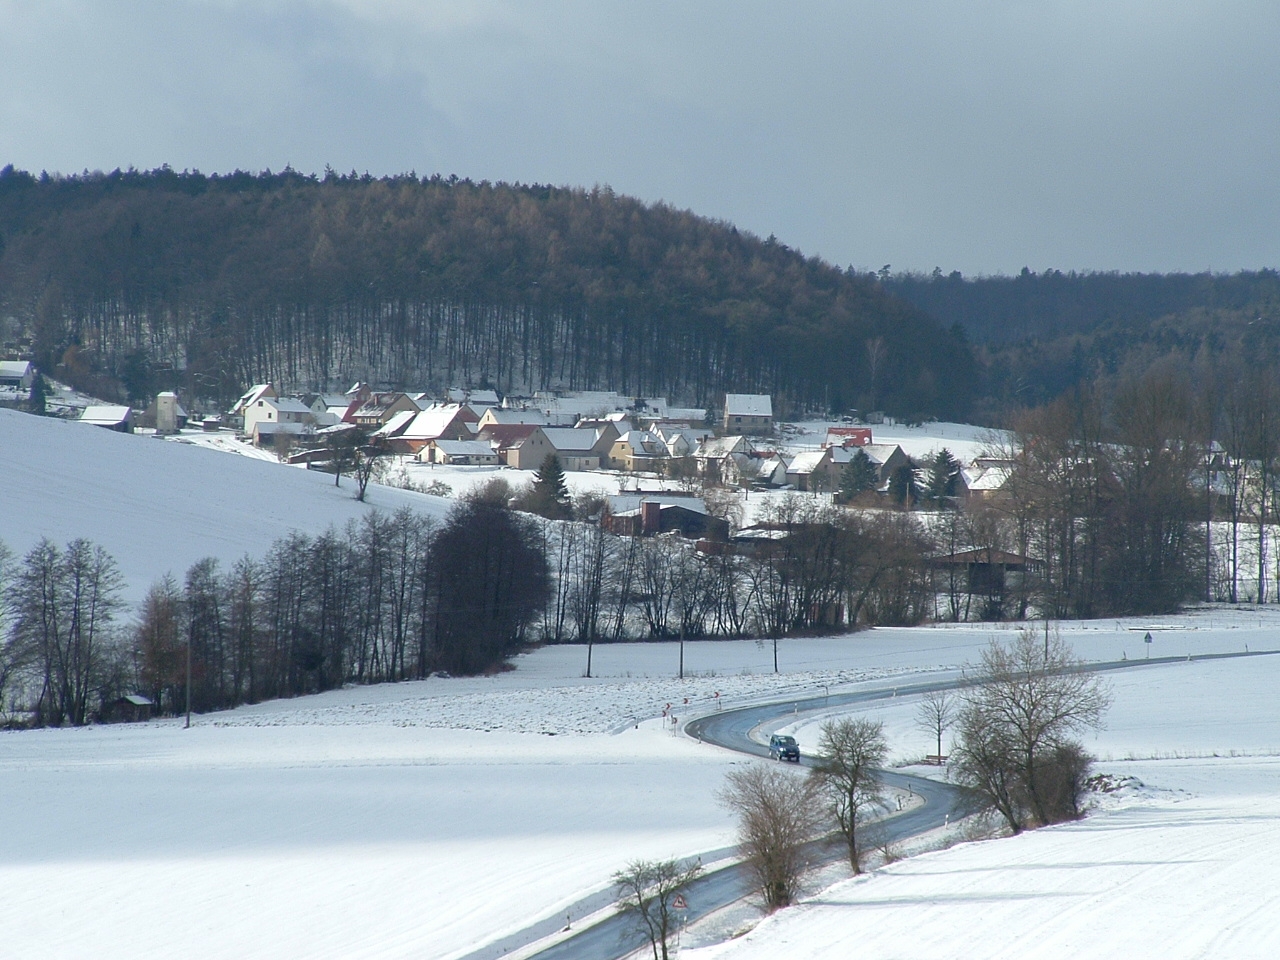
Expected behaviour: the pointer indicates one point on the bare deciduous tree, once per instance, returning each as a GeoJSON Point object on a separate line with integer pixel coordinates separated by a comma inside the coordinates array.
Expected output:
{"type": "Point", "coordinates": [647, 890]}
{"type": "Point", "coordinates": [778, 813]}
{"type": "Point", "coordinates": [849, 753]}
{"type": "Point", "coordinates": [1015, 723]}
{"type": "Point", "coordinates": [936, 712]}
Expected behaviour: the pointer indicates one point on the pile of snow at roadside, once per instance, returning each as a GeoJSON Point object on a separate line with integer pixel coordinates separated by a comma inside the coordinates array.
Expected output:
{"type": "Point", "coordinates": [158, 507]}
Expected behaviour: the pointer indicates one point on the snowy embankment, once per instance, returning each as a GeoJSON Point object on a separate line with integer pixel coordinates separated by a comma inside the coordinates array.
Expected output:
{"type": "Point", "coordinates": [363, 823]}
{"type": "Point", "coordinates": [158, 507]}
{"type": "Point", "coordinates": [1175, 875]}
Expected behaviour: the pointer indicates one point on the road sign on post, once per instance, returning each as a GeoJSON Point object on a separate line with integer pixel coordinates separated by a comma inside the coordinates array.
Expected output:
{"type": "Point", "coordinates": [1147, 641]}
{"type": "Point", "coordinates": [679, 903]}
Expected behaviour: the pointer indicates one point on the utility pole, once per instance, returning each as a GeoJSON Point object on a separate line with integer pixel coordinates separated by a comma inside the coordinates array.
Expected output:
{"type": "Point", "coordinates": [187, 725]}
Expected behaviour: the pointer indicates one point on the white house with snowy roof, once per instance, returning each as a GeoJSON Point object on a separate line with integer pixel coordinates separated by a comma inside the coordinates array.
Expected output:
{"type": "Point", "coordinates": [17, 373]}
{"type": "Point", "coordinates": [264, 416]}
{"type": "Point", "coordinates": [109, 416]}
{"type": "Point", "coordinates": [748, 413]}
{"type": "Point", "coordinates": [464, 453]}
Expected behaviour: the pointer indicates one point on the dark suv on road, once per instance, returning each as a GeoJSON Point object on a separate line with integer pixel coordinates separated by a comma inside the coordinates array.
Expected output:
{"type": "Point", "coordinates": [784, 748]}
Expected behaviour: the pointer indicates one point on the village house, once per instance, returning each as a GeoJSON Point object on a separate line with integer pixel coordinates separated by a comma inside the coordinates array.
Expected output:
{"type": "Point", "coordinates": [411, 433]}
{"type": "Point", "coordinates": [847, 437]}
{"type": "Point", "coordinates": [680, 439]}
{"type": "Point", "coordinates": [268, 418]}
{"type": "Point", "coordinates": [260, 391]}
{"type": "Point", "coordinates": [769, 469]}
{"type": "Point", "coordinates": [503, 436]}
{"type": "Point", "coordinates": [887, 458]}
{"type": "Point", "coordinates": [716, 457]}
{"type": "Point", "coordinates": [499, 415]}
{"type": "Point", "coordinates": [636, 450]}
{"type": "Point", "coordinates": [582, 448]}
{"type": "Point", "coordinates": [648, 515]}
{"type": "Point", "coordinates": [109, 416]}
{"type": "Point", "coordinates": [19, 374]}
{"type": "Point", "coordinates": [462, 453]}
{"type": "Point", "coordinates": [322, 414]}
{"type": "Point", "coordinates": [815, 470]}
{"type": "Point", "coordinates": [748, 413]}
{"type": "Point", "coordinates": [528, 452]}
{"type": "Point", "coordinates": [820, 470]}
{"type": "Point", "coordinates": [477, 400]}
{"type": "Point", "coordinates": [379, 409]}
{"type": "Point", "coordinates": [693, 417]}
{"type": "Point", "coordinates": [984, 479]}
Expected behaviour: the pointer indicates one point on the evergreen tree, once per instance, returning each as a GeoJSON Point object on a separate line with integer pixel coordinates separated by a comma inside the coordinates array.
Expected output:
{"type": "Point", "coordinates": [38, 399]}
{"type": "Point", "coordinates": [550, 495]}
{"type": "Point", "coordinates": [858, 476]}
{"type": "Point", "coordinates": [944, 472]}
{"type": "Point", "coordinates": [904, 490]}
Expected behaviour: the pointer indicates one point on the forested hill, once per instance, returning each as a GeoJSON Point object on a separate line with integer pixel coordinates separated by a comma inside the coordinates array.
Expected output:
{"type": "Point", "coordinates": [1039, 334]}
{"type": "Point", "coordinates": [138, 281]}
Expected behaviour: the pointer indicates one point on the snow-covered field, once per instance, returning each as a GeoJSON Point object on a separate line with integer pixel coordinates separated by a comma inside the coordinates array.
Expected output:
{"type": "Point", "coordinates": [158, 507]}
{"type": "Point", "coordinates": [1180, 862]}
{"type": "Point", "coordinates": [1186, 870]}
{"type": "Point", "coordinates": [423, 819]}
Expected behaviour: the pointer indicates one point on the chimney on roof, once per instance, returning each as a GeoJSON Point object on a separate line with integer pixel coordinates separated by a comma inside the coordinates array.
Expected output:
{"type": "Point", "coordinates": [650, 517]}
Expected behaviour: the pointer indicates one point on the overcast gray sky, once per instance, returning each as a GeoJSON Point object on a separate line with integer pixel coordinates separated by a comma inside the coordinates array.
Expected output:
{"type": "Point", "coordinates": [979, 136]}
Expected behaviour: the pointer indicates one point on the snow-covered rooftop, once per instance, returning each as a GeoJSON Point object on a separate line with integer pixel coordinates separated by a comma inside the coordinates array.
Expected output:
{"type": "Point", "coordinates": [465, 448]}
{"type": "Point", "coordinates": [105, 414]}
{"type": "Point", "coordinates": [748, 405]}
{"type": "Point", "coordinates": [570, 440]}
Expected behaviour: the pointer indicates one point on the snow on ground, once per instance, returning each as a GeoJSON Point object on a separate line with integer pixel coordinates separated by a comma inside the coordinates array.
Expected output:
{"type": "Point", "coordinates": [1183, 875]}
{"type": "Point", "coordinates": [921, 442]}
{"type": "Point", "coordinates": [424, 819]}
{"type": "Point", "coordinates": [158, 507]}
{"type": "Point", "coordinates": [1182, 863]}
{"type": "Point", "coordinates": [326, 841]}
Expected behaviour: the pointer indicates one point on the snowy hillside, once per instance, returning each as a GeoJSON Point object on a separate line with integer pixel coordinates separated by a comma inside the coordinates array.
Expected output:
{"type": "Point", "coordinates": [158, 507]}
{"type": "Point", "coordinates": [363, 823]}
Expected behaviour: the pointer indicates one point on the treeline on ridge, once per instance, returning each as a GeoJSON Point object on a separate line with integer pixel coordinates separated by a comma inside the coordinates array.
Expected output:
{"type": "Point", "coordinates": [1038, 336]}
{"type": "Point", "coordinates": [133, 282]}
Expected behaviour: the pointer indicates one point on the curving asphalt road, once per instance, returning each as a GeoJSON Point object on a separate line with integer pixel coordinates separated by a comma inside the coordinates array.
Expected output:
{"type": "Point", "coordinates": [616, 936]}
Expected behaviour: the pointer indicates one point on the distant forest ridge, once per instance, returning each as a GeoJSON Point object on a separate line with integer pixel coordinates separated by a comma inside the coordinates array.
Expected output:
{"type": "Point", "coordinates": [133, 282]}
{"type": "Point", "coordinates": [1038, 335]}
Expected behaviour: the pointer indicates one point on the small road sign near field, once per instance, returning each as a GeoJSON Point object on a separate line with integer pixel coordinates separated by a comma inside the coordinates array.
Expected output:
{"type": "Point", "coordinates": [680, 903]}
